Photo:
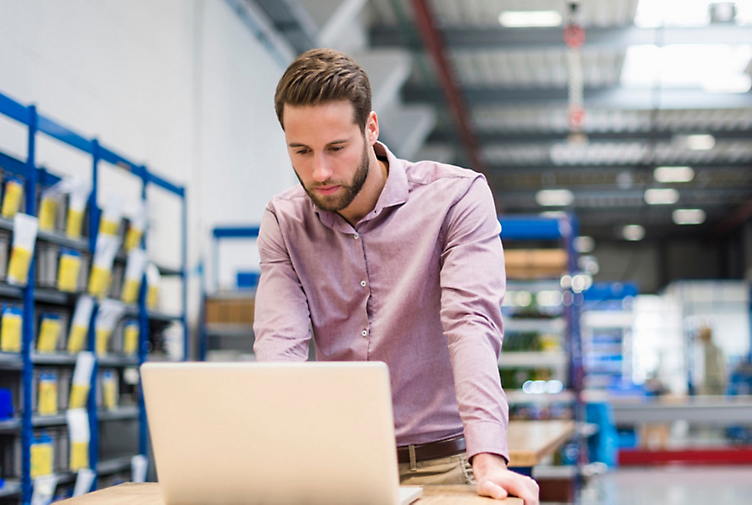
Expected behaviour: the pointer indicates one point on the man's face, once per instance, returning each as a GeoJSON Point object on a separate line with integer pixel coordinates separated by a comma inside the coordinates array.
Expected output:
{"type": "Point", "coordinates": [328, 151]}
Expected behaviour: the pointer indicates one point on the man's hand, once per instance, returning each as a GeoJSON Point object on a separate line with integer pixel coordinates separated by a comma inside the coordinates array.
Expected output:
{"type": "Point", "coordinates": [496, 481]}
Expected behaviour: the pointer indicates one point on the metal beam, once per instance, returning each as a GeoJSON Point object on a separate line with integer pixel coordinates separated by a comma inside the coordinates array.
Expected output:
{"type": "Point", "coordinates": [611, 97]}
{"type": "Point", "coordinates": [450, 91]}
{"type": "Point", "coordinates": [497, 137]}
{"type": "Point", "coordinates": [503, 168]}
{"type": "Point", "coordinates": [477, 37]}
{"type": "Point", "coordinates": [290, 19]}
{"type": "Point", "coordinates": [604, 198]}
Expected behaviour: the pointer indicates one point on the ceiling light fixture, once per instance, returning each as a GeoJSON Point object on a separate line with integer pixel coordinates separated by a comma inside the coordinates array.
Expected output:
{"type": "Point", "coordinates": [529, 19]}
{"type": "Point", "coordinates": [661, 196]}
{"type": "Point", "coordinates": [673, 174]}
{"type": "Point", "coordinates": [554, 197]}
{"type": "Point", "coordinates": [700, 142]}
{"type": "Point", "coordinates": [633, 232]}
{"type": "Point", "coordinates": [688, 216]}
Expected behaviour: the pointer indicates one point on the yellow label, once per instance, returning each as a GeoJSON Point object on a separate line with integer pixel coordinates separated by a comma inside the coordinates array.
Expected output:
{"type": "Point", "coordinates": [49, 333]}
{"type": "Point", "coordinates": [12, 201]}
{"type": "Point", "coordinates": [47, 398]}
{"type": "Point", "coordinates": [79, 456]}
{"type": "Point", "coordinates": [133, 238]}
{"type": "Point", "coordinates": [103, 338]}
{"type": "Point", "coordinates": [109, 395]}
{"type": "Point", "coordinates": [78, 396]}
{"type": "Point", "coordinates": [99, 280]}
{"type": "Point", "coordinates": [108, 227]}
{"type": "Point", "coordinates": [67, 275]}
{"type": "Point", "coordinates": [77, 338]}
{"type": "Point", "coordinates": [130, 290]}
{"type": "Point", "coordinates": [74, 224]}
{"type": "Point", "coordinates": [130, 339]}
{"type": "Point", "coordinates": [41, 459]}
{"type": "Point", "coordinates": [152, 295]}
{"type": "Point", "coordinates": [18, 269]}
{"type": "Point", "coordinates": [10, 333]}
{"type": "Point", "coordinates": [47, 213]}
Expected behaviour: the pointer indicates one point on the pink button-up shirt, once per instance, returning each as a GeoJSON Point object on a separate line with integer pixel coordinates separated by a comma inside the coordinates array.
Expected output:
{"type": "Point", "coordinates": [417, 283]}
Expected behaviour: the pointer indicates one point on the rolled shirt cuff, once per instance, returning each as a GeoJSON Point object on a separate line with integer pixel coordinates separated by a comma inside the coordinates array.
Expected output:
{"type": "Point", "coordinates": [486, 436]}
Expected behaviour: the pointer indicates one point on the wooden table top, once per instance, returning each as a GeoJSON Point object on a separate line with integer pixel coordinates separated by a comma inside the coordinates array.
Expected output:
{"type": "Point", "coordinates": [531, 441]}
{"type": "Point", "coordinates": [148, 494]}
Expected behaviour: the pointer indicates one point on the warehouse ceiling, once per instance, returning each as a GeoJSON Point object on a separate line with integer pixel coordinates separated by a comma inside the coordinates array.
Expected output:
{"type": "Point", "coordinates": [663, 83]}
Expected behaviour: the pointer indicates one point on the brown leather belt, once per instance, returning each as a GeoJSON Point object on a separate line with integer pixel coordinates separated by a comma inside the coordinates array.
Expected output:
{"type": "Point", "coordinates": [432, 450]}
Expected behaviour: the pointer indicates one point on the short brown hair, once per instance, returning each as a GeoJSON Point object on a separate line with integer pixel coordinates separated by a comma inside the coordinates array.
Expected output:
{"type": "Point", "coordinates": [320, 76]}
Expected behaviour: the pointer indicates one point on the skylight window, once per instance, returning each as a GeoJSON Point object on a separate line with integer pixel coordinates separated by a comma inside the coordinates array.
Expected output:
{"type": "Point", "coordinates": [713, 67]}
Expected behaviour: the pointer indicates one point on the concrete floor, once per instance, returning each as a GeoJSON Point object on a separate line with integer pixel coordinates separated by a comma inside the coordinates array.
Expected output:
{"type": "Point", "coordinates": [673, 485]}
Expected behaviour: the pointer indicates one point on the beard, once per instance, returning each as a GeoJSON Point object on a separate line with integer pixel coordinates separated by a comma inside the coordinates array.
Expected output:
{"type": "Point", "coordinates": [347, 193]}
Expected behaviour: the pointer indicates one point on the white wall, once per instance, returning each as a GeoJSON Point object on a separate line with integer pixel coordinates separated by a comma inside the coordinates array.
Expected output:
{"type": "Point", "coordinates": [179, 85]}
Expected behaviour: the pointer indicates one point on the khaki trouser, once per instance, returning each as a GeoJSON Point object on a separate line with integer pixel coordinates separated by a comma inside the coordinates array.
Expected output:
{"type": "Point", "coordinates": [441, 471]}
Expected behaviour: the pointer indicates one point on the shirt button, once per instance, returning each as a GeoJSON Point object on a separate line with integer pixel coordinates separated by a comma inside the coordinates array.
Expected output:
{"type": "Point", "coordinates": [363, 283]}
{"type": "Point", "coordinates": [364, 333]}
{"type": "Point", "coordinates": [356, 237]}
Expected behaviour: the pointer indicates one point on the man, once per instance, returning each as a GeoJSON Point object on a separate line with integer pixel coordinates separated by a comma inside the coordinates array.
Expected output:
{"type": "Point", "coordinates": [392, 261]}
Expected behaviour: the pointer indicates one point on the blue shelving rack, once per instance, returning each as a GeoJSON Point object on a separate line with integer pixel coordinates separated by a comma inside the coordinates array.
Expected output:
{"type": "Point", "coordinates": [603, 360]}
{"type": "Point", "coordinates": [218, 234]}
{"type": "Point", "coordinates": [33, 175]}
{"type": "Point", "coordinates": [562, 230]}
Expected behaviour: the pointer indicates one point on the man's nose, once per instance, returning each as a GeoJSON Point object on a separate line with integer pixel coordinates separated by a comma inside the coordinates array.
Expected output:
{"type": "Point", "coordinates": [321, 170]}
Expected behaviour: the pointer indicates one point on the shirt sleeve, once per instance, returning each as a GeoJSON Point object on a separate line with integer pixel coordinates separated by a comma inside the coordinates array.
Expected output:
{"type": "Point", "coordinates": [281, 319]}
{"type": "Point", "coordinates": [473, 284]}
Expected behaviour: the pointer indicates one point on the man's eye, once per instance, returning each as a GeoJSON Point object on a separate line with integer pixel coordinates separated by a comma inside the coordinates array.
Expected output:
{"type": "Point", "coordinates": [336, 148]}
{"type": "Point", "coordinates": [302, 151]}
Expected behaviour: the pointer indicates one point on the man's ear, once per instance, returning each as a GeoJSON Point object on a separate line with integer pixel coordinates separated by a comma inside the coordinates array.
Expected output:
{"type": "Point", "coordinates": [372, 128]}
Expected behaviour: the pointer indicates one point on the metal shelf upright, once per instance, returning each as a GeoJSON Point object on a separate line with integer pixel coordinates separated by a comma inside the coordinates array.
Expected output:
{"type": "Point", "coordinates": [32, 175]}
{"type": "Point", "coordinates": [219, 233]}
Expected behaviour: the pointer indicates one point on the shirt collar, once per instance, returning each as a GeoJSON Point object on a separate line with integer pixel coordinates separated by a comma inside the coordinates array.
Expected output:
{"type": "Point", "coordinates": [396, 189]}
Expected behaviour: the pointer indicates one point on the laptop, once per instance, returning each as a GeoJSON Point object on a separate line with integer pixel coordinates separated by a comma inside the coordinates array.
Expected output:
{"type": "Point", "coordinates": [274, 433]}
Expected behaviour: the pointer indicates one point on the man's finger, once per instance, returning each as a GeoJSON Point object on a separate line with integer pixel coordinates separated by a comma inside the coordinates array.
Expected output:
{"type": "Point", "coordinates": [489, 488]}
{"type": "Point", "coordinates": [525, 488]}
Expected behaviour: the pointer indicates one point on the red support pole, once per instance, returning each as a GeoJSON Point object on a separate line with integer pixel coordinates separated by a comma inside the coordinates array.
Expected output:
{"type": "Point", "coordinates": [434, 44]}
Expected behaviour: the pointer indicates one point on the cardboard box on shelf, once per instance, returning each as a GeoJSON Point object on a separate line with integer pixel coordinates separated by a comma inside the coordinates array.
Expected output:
{"type": "Point", "coordinates": [233, 310]}
{"type": "Point", "coordinates": [535, 263]}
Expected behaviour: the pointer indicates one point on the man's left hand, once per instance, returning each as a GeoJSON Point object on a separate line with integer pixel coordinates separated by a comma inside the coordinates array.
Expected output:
{"type": "Point", "coordinates": [496, 481]}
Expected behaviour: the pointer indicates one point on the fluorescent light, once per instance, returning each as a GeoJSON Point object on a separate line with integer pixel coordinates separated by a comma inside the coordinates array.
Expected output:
{"type": "Point", "coordinates": [700, 142]}
{"type": "Point", "coordinates": [554, 197]}
{"type": "Point", "coordinates": [688, 216]}
{"type": "Point", "coordinates": [661, 196]}
{"type": "Point", "coordinates": [584, 244]}
{"type": "Point", "coordinates": [673, 174]}
{"type": "Point", "coordinates": [633, 232]}
{"type": "Point", "coordinates": [529, 19]}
